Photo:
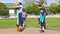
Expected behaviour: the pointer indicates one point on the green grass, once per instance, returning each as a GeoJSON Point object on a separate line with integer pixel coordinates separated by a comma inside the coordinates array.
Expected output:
{"type": "Point", "coordinates": [53, 22]}
{"type": "Point", "coordinates": [7, 23]}
{"type": "Point", "coordinates": [32, 22]}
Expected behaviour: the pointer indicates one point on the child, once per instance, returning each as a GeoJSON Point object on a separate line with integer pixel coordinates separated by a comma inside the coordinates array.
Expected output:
{"type": "Point", "coordinates": [24, 15]}
{"type": "Point", "coordinates": [41, 19]}
{"type": "Point", "coordinates": [23, 19]}
{"type": "Point", "coordinates": [19, 16]}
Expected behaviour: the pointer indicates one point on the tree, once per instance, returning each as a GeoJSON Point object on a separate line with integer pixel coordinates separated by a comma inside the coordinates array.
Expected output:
{"type": "Point", "coordinates": [33, 8]}
{"type": "Point", "coordinates": [59, 8]}
{"type": "Point", "coordinates": [53, 8]}
{"type": "Point", "coordinates": [3, 9]}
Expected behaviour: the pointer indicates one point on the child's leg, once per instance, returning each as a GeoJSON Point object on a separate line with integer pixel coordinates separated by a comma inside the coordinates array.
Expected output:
{"type": "Point", "coordinates": [20, 19]}
{"type": "Point", "coordinates": [42, 27]}
{"type": "Point", "coordinates": [18, 29]}
{"type": "Point", "coordinates": [24, 23]}
{"type": "Point", "coordinates": [17, 19]}
{"type": "Point", "coordinates": [21, 27]}
{"type": "Point", "coordinates": [44, 24]}
{"type": "Point", "coordinates": [21, 24]}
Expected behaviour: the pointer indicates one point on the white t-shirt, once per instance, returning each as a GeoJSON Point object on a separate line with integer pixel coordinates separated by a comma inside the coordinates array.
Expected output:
{"type": "Point", "coordinates": [20, 10]}
{"type": "Point", "coordinates": [24, 14]}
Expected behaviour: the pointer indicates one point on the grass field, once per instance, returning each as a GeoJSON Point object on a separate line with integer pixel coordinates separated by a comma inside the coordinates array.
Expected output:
{"type": "Point", "coordinates": [33, 22]}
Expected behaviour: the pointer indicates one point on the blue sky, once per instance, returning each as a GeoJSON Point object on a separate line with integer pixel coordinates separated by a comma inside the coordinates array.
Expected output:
{"type": "Point", "coordinates": [14, 1]}
{"type": "Point", "coordinates": [8, 1]}
{"type": "Point", "coordinates": [51, 1]}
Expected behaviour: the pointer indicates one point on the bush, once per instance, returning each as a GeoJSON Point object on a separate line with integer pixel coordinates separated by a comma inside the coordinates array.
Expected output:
{"type": "Point", "coordinates": [3, 9]}
{"type": "Point", "coordinates": [33, 8]}
{"type": "Point", "coordinates": [59, 8]}
{"type": "Point", "coordinates": [53, 8]}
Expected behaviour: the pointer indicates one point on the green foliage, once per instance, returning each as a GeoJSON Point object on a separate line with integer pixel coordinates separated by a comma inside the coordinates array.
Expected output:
{"type": "Point", "coordinates": [59, 8]}
{"type": "Point", "coordinates": [3, 9]}
{"type": "Point", "coordinates": [33, 8]}
{"type": "Point", "coordinates": [53, 8]}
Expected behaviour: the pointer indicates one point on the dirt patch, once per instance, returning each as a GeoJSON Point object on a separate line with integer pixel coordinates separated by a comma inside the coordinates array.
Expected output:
{"type": "Point", "coordinates": [28, 30]}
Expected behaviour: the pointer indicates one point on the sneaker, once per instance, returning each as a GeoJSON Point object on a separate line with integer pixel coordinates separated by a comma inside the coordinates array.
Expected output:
{"type": "Point", "coordinates": [43, 31]}
{"type": "Point", "coordinates": [21, 30]}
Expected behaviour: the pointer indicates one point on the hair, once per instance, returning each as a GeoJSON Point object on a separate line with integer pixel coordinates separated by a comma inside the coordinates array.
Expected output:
{"type": "Point", "coordinates": [42, 9]}
{"type": "Point", "coordinates": [19, 3]}
{"type": "Point", "coordinates": [23, 9]}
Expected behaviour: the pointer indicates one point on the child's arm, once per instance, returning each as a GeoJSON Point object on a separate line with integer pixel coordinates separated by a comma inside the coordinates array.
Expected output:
{"type": "Point", "coordinates": [17, 6]}
{"type": "Point", "coordinates": [24, 15]}
{"type": "Point", "coordinates": [38, 20]}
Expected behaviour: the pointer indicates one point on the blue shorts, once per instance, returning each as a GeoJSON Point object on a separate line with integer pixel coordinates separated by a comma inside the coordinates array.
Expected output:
{"type": "Point", "coordinates": [20, 19]}
{"type": "Point", "coordinates": [41, 23]}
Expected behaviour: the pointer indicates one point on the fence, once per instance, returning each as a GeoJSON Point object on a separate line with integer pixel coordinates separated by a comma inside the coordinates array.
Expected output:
{"type": "Point", "coordinates": [33, 16]}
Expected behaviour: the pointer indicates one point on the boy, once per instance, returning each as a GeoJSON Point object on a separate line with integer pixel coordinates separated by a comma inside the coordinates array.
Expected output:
{"type": "Point", "coordinates": [19, 16]}
{"type": "Point", "coordinates": [41, 19]}
{"type": "Point", "coordinates": [24, 15]}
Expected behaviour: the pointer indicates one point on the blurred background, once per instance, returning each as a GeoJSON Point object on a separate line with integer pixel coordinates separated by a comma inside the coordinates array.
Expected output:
{"type": "Point", "coordinates": [32, 7]}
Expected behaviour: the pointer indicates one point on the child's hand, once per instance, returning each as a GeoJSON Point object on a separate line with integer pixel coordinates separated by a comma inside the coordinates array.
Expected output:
{"type": "Point", "coordinates": [39, 23]}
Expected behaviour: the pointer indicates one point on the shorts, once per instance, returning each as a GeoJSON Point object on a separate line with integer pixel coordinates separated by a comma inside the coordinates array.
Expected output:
{"type": "Point", "coordinates": [21, 19]}
{"type": "Point", "coordinates": [42, 24]}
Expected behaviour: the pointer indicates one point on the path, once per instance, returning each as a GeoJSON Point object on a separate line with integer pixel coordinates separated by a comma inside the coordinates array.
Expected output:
{"type": "Point", "coordinates": [28, 30]}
